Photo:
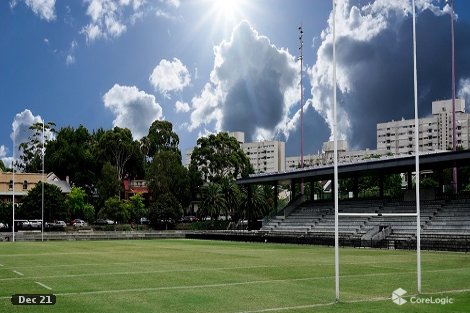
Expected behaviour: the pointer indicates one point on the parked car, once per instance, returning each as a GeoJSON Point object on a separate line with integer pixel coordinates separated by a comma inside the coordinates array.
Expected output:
{"type": "Point", "coordinates": [57, 225]}
{"type": "Point", "coordinates": [144, 220]}
{"type": "Point", "coordinates": [101, 221]}
{"type": "Point", "coordinates": [35, 224]}
{"type": "Point", "coordinates": [189, 219]}
{"type": "Point", "coordinates": [104, 221]}
{"type": "Point", "coordinates": [3, 225]}
{"type": "Point", "coordinates": [79, 223]}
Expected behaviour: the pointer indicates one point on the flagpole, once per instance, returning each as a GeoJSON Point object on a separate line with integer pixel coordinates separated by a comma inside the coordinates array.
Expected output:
{"type": "Point", "coordinates": [335, 175]}
{"type": "Point", "coordinates": [418, 210]}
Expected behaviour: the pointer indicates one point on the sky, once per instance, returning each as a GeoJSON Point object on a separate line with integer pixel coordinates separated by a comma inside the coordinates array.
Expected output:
{"type": "Point", "coordinates": [225, 65]}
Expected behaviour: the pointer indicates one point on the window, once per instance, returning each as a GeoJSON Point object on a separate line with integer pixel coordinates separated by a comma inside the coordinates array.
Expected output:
{"type": "Point", "coordinates": [25, 185]}
{"type": "Point", "coordinates": [10, 185]}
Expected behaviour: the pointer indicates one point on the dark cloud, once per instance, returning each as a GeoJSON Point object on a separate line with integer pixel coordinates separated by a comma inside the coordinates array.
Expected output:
{"type": "Point", "coordinates": [376, 73]}
{"type": "Point", "coordinates": [252, 87]}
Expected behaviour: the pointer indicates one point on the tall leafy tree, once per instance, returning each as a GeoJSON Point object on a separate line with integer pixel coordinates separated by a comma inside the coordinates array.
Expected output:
{"type": "Point", "coordinates": [108, 184]}
{"type": "Point", "coordinates": [32, 150]}
{"type": "Point", "coordinates": [161, 137]}
{"type": "Point", "coordinates": [2, 166]}
{"type": "Point", "coordinates": [54, 203]}
{"type": "Point", "coordinates": [166, 174]}
{"type": "Point", "coordinates": [218, 156]}
{"type": "Point", "coordinates": [71, 154]}
{"type": "Point", "coordinates": [117, 147]}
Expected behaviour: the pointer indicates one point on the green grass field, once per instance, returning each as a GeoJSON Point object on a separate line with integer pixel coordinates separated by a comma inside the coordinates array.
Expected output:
{"type": "Point", "coordinates": [212, 276]}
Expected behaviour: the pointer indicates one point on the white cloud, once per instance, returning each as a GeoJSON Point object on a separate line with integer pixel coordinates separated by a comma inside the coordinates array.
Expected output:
{"type": "Point", "coordinates": [169, 76]}
{"type": "Point", "coordinates": [360, 34]}
{"type": "Point", "coordinates": [182, 106]}
{"type": "Point", "coordinates": [252, 87]}
{"type": "Point", "coordinates": [133, 109]}
{"type": "Point", "coordinates": [45, 9]}
{"type": "Point", "coordinates": [464, 90]}
{"type": "Point", "coordinates": [21, 131]}
{"type": "Point", "coordinates": [109, 17]}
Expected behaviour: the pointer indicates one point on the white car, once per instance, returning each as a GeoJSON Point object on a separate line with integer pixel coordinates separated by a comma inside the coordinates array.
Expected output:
{"type": "Point", "coordinates": [79, 223]}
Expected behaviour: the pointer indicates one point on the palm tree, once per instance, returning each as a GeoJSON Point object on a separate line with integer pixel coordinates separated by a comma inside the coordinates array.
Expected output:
{"type": "Point", "coordinates": [254, 205]}
{"type": "Point", "coordinates": [214, 201]}
{"type": "Point", "coordinates": [232, 196]}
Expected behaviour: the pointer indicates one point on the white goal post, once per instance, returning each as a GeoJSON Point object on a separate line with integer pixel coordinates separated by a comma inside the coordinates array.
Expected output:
{"type": "Point", "coordinates": [335, 175]}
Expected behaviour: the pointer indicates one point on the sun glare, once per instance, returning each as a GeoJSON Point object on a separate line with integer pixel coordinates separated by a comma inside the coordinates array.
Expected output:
{"type": "Point", "coordinates": [229, 10]}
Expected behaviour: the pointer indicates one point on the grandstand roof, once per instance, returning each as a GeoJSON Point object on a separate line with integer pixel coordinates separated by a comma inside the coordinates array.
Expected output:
{"type": "Point", "coordinates": [387, 165]}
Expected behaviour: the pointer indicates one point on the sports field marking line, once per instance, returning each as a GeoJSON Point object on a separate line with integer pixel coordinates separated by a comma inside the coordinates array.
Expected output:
{"type": "Point", "coordinates": [315, 305]}
{"type": "Point", "coordinates": [19, 273]}
{"type": "Point", "coordinates": [145, 272]}
{"type": "Point", "coordinates": [223, 285]}
{"type": "Point", "coordinates": [224, 268]}
{"type": "Point", "coordinates": [1, 264]}
{"type": "Point", "coordinates": [45, 286]}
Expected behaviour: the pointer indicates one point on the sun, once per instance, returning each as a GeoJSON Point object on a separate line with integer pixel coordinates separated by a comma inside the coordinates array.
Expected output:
{"type": "Point", "coordinates": [228, 10]}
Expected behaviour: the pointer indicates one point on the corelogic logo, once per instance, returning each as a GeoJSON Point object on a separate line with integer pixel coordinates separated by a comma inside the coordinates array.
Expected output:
{"type": "Point", "coordinates": [397, 296]}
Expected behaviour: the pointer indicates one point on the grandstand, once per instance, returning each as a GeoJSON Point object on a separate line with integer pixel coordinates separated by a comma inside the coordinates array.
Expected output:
{"type": "Point", "coordinates": [445, 224]}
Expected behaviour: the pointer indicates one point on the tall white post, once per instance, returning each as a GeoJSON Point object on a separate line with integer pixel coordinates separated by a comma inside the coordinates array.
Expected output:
{"type": "Point", "coordinates": [13, 189]}
{"type": "Point", "coordinates": [42, 192]}
{"type": "Point", "coordinates": [418, 210]}
{"type": "Point", "coordinates": [335, 175]}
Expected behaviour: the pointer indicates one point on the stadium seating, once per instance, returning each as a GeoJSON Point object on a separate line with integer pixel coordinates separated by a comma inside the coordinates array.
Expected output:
{"type": "Point", "coordinates": [443, 223]}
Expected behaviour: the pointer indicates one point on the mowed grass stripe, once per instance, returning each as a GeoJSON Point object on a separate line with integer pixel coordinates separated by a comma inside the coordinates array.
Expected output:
{"type": "Point", "coordinates": [210, 276]}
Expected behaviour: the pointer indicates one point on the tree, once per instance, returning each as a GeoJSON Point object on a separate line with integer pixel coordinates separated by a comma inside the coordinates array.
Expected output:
{"type": "Point", "coordinates": [117, 147]}
{"type": "Point", "coordinates": [32, 150]}
{"type": "Point", "coordinates": [2, 167]}
{"type": "Point", "coordinates": [161, 137]}
{"type": "Point", "coordinates": [76, 203]}
{"type": "Point", "coordinates": [214, 202]}
{"type": "Point", "coordinates": [138, 209]}
{"type": "Point", "coordinates": [54, 203]}
{"type": "Point", "coordinates": [253, 203]}
{"type": "Point", "coordinates": [166, 174]}
{"type": "Point", "coordinates": [218, 156]}
{"type": "Point", "coordinates": [165, 209]}
{"type": "Point", "coordinates": [71, 155]}
{"type": "Point", "coordinates": [232, 196]}
{"type": "Point", "coordinates": [108, 185]}
{"type": "Point", "coordinates": [116, 210]}
{"type": "Point", "coordinates": [6, 212]}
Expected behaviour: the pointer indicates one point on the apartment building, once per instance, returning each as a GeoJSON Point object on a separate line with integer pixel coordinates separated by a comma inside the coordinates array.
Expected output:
{"type": "Point", "coordinates": [435, 132]}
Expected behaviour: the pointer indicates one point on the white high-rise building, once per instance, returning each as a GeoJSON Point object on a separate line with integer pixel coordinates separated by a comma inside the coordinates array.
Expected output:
{"type": "Point", "coordinates": [265, 156]}
{"type": "Point", "coordinates": [435, 132]}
